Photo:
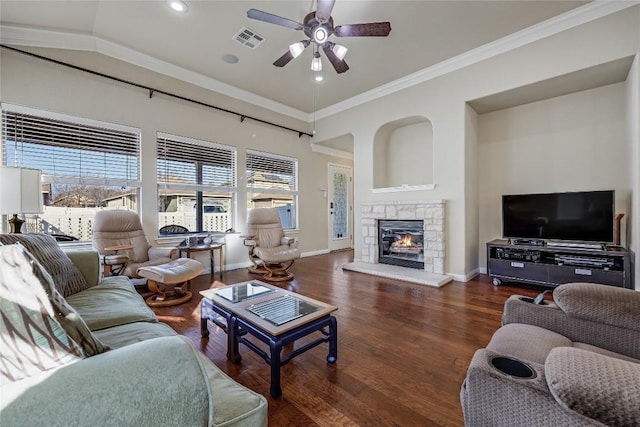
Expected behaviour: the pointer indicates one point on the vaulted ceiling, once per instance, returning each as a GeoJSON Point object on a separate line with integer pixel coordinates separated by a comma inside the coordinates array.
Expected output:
{"type": "Point", "coordinates": [191, 46]}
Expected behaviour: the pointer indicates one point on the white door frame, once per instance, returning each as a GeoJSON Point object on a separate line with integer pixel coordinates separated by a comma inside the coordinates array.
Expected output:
{"type": "Point", "coordinates": [347, 241]}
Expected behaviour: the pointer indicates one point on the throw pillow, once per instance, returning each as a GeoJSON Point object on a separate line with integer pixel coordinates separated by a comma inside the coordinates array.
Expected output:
{"type": "Point", "coordinates": [66, 276]}
{"type": "Point", "coordinates": [596, 386]}
{"type": "Point", "coordinates": [32, 340]}
{"type": "Point", "coordinates": [66, 315]}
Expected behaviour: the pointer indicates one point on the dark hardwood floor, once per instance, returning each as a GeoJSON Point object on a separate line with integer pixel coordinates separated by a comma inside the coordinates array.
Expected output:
{"type": "Point", "coordinates": [403, 348]}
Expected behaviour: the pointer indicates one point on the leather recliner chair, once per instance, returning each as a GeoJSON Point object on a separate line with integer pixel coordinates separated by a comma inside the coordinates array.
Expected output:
{"type": "Point", "coordinates": [122, 228]}
{"type": "Point", "coordinates": [270, 251]}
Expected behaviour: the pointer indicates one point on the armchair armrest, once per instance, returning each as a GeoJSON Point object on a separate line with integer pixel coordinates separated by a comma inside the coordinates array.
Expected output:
{"type": "Point", "coordinates": [119, 387]}
{"type": "Point", "coordinates": [491, 398]}
{"type": "Point", "coordinates": [291, 241]}
{"type": "Point", "coordinates": [550, 316]}
{"type": "Point", "coordinates": [156, 252]}
{"type": "Point", "coordinates": [575, 379]}
{"type": "Point", "coordinates": [88, 263]}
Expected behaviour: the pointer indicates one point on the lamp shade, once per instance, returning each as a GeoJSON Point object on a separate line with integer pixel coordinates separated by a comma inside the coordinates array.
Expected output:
{"type": "Point", "coordinates": [340, 51]}
{"type": "Point", "coordinates": [296, 49]}
{"type": "Point", "coordinates": [20, 190]}
{"type": "Point", "coordinates": [316, 62]}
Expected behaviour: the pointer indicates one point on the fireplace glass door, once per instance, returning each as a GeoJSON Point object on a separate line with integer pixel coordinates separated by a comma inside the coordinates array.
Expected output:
{"type": "Point", "coordinates": [401, 242]}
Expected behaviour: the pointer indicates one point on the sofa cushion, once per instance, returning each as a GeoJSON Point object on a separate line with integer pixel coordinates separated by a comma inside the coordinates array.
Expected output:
{"type": "Point", "coordinates": [113, 302]}
{"type": "Point", "coordinates": [232, 403]}
{"type": "Point", "coordinates": [157, 382]}
{"type": "Point", "coordinates": [33, 340]}
{"type": "Point", "coordinates": [66, 276]}
{"type": "Point", "coordinates": [68, 318]}
{"type": "Point", "coordinates": [131, 333]}
{"type": "Point", "coordinates": [515, 340]}
{"type": "Point", "coordinates": [595, 386]}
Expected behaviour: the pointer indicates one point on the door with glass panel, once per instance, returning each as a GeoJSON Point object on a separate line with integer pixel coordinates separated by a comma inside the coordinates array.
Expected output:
{"type": "Point", "coordinates": [339, 206]}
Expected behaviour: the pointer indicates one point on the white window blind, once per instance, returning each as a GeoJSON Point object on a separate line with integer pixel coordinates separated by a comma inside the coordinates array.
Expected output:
{"type": "Point", "coordinates": [69, 150]}
{"type": "Point", "coordinates": [270, 171]}
{"type": "Point", "coordinates": [195, 165]}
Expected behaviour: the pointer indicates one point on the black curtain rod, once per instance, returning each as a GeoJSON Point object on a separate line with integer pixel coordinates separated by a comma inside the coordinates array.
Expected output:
{"type": "Point", "coordinates": [151, 90]}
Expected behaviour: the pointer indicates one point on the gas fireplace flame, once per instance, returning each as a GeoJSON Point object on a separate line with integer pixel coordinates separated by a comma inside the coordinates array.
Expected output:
{"type": "Point", "coordinates": [405, 241]}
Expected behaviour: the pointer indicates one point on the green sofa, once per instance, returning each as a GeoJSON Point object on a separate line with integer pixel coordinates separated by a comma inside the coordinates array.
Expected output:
{"type": "Point", "coordinates": [142, 374]}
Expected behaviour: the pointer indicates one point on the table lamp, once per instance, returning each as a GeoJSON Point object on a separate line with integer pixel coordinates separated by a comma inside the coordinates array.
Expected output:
{"type": "Point", "coordinates": [20, 193]}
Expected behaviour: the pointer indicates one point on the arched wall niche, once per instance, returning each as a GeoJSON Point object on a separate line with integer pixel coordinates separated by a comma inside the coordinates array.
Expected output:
{"type": "Point", "coordinates": [403, 154]}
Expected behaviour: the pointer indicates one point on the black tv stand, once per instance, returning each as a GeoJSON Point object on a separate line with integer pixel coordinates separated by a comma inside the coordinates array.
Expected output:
{"type": "Point", "coordinates": [552, 265]}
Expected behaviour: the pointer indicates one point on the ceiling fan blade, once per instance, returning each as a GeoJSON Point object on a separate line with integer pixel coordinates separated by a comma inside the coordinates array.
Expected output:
{"type": "Point", "coordinates": [372, 29]}
{"type": "Point", "coordinates": [284, 59]}
{"type": "Point", "coordinates": [323, 12]}
{"type": "Point", "coordinates": [339, 64]}
{"type": "Point", "coordinates": [273, 19]}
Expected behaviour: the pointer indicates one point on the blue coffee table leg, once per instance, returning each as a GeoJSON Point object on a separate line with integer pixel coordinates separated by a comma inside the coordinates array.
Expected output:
{"type": "Point", "coordinates": [333, 340]}
{"type": "Point", "coordinates": [233, 353]}
{"type": "Point", "coordinates": [204, 330]}
{"type": "Point", "coordinates": [275, 348]}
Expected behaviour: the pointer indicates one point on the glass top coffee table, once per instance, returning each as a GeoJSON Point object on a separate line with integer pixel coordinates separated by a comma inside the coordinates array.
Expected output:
{"type": "Point", "coordinates": [275, 316]}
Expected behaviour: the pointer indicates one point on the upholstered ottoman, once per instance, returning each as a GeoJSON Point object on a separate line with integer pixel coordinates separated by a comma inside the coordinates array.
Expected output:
{"type": "Point", "coordinates": [170, 282]}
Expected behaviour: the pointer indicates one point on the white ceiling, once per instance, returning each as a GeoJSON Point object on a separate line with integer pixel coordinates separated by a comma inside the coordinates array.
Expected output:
{"type": "Point", "coordinates": [424, 33]}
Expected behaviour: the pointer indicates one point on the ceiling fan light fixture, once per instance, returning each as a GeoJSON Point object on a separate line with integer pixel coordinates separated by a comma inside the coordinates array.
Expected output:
{"type": "Point", "coordinates": [316, 62]}
{"type": "Point", "coordinates": [178, 5]}
{"type": "Point", "coordinates": [320, 35]}
{"type": "Point", "coordinates": [340, 51]}
{"type": "Point", "coordinates": [296, 49]}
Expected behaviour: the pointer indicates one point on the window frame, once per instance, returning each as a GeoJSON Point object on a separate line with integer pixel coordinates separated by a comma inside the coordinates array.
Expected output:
{"type": "Point", "coordinates": [273, 158]}
{"type": "Point", "coordinates": [90, 142]}
{"type": "Point", "coordinates": [197, 186]}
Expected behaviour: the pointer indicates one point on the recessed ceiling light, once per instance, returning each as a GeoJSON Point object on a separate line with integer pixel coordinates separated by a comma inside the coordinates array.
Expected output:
{"type": "Point", "coordinates": [178, 5]}
{"type": "Point", "coordinates": [230, 59]}
{"type": "Point", "coordinates": [318, 77]}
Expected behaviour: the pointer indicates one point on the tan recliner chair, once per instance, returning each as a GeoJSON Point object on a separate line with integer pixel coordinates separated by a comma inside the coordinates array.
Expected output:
{"type": "Point", "coordinates": [124, 249]}
{"type": "Point", "coordinates": [120, 228]}
{"type": "Point", "coordinates": [270, 251]}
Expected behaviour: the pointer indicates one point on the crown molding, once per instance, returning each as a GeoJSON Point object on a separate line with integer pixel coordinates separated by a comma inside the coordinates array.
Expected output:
{"type": "Point", "coordinates": [573, 18]}
{"type": "Point", "coordinates": [23, 36]}
{"type": "Point", "coordinates": [331, 151]}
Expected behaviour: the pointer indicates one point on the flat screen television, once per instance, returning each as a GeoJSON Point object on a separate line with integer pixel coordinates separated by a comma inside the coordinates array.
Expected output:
{"type": "Point", "coordinates": [586, 216]}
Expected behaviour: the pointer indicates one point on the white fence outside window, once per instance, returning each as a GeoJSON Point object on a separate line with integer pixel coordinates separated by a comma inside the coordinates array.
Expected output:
{"type": "Point", "coordinates": [78, 222]}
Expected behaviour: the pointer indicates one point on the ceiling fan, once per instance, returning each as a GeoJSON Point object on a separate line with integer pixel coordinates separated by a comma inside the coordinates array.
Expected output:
{"type": "Point", "coordinates": [318, 27]}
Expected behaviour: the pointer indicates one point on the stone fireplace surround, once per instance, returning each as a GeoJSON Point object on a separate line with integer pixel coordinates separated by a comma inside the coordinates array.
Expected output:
{"type": "Point", "coordinates": [432, 212]}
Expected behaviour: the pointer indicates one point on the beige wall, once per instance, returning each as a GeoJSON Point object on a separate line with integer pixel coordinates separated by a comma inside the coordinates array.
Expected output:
{"type": "Point", "coordinates": [575, 142]}
{"type": "Point", "coordinates": [38, 84]}
{"type": "Point", "coordinates": [632, 103]}
{"type": "Point", "coordinates": [443, 100]}
{"type": "Point", "coordinates": [410, 155]}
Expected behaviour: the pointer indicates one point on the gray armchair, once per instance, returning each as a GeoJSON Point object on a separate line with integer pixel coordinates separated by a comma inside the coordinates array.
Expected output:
{"type": "Point", "coordinates": [571, 362]}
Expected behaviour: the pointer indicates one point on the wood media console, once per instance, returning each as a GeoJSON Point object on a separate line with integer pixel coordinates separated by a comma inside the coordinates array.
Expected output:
{"type": "Point", "coordinates": [554, 265]}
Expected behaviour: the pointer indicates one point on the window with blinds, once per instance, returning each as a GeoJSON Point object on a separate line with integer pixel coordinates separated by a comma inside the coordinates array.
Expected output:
{"type": "Point", "coordinates": [86, 166]}
{"type": "Point", "coordinates": [196, 184]}
{"type": "Point", "coordinates": [71, 152]}
{"type": "Point", "coordinates": [272, 181]}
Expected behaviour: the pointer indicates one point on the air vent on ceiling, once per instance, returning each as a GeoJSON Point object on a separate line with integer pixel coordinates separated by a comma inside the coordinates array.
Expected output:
{"type": "Point", "coordinates": [249, 38]}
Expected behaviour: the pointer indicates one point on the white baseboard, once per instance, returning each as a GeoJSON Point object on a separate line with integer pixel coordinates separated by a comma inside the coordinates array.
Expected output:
{"type": "Point", "coordinates": [465, 277]}
{"type": "Point", "coordinates": [314, 253]}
